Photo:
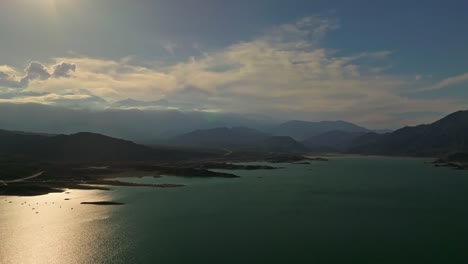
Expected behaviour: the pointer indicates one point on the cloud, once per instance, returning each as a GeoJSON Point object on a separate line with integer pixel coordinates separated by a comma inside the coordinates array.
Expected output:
{"type": "Point", "coordinates": [63, 69]}
{"type": "Point", "coordinates": [8, 80]}
{"type": "Point", "coordinates": [34, 71]}
{"type": "Point", "coordinates": [285, 72]}
{"type": "Point", "coordinates": [304, 33]}
{"type": "Point", "coordinates": [15, 94]}
{"type": "Point", "coordinates": [169, 47]}
{"type": "Point", "coordinates": [454, 80]}
{"type": "Point", "coordinates": [142, 105]}
{"type": "Point", "coordinates": [75, 101]}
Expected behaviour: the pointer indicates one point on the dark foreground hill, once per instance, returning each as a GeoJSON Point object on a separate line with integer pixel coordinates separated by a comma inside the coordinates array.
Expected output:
{"type": "Point", "coordinates": [86, 147]}
{"type": "Point", "coordinates": [447, 135]}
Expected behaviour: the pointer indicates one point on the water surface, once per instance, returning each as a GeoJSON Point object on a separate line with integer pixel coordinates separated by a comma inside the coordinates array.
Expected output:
{"type": "Point", "coordinates": [347, 210]}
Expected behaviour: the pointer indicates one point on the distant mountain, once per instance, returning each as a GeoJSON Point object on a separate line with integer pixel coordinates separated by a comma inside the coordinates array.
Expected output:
{"type": "Point", "coordinates": [448, 135]}
{"type": "Point", "coordinates": [302, 130]}
{"type": "Point", "coordinates": [85, 147]}
{"type": "Point", "coordinates": [281, 144]}
{"type": "Point", "coordinates": [382, 131]}
{"type": "Point", "coordinates": [148, 126]}
{"type": "Point", "coordinates": [332, 141]}
{"type": "Point", "coordinates": [365, 140]}
{"type": "Point", "coordinates": [238, 138]}
{"type": "Point", "coordinates": [221, 137]}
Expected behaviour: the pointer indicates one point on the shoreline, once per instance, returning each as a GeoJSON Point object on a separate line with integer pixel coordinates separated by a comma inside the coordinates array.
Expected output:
{"type": "Point", "coordinates": [84, 176]}
{"type": "Point", "coordinates": [337, 154]}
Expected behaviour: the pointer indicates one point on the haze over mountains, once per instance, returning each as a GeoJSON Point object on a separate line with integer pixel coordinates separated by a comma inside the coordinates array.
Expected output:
{"type": "Point", "coordinates": [197, 131]}
{"type": "Point", "coordinates": [150, 126]}
{"type": "Point", "coordinates": [132, 124]}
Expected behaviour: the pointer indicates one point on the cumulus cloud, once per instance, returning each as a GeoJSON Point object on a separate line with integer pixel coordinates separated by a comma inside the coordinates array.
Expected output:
{"type": "Point", "coordinates": [112, 79]}
{"type": "Point", "coordinates": [34, 71]}
{"type": "Point", "coordinates": [63, 69]}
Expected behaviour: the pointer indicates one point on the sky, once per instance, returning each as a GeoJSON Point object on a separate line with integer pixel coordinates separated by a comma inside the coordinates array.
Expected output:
{"type": "Point", "coordinates": [382, 64]}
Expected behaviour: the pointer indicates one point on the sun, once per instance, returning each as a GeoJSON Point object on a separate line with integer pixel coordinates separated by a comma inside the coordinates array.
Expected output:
{"type": "Point", "coordinates": [51, 5]}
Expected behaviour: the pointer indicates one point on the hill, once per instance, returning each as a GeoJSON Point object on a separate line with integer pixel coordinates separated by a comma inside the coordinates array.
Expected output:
{"type": "Point", "coordinates": [221, 137]}
{"type": "Point", "coordinates": [91, 147]}
{"type": "Point", "coordinates": [447, 135]}
{"type": "Point", "coordinates": [238, 138]}
{"type": "Point", "coordinates": [282, 144]}
{"type": "Point", "coordinates": [86, 147]}
{"type": "Point", "coordinates": [332, 141]}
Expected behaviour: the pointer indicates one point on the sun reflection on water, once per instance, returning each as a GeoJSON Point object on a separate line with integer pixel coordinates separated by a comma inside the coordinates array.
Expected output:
{"type": "Point", "coordinates": [54, 228]}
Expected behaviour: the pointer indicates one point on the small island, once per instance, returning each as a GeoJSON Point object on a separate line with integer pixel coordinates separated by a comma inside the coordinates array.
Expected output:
{"type": "Point", "coordinates": [458, 161]}
{"type": "Point", "coordinates": [103, 203]}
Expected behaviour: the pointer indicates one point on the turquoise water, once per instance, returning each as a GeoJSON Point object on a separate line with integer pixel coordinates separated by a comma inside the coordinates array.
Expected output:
{"type": "Point", "coordinates": [347, 210]}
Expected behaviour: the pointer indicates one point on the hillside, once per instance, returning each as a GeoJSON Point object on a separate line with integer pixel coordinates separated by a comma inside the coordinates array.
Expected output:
{"type": "Point", "coordinates": [332, 141]}
{"type": "Point", "coordinates": [90, 146]}
{"type": "Point", "coordinates": [282, 144]}
{"type": "Point", "coordinates": [238, 138]}
{"type": "Point", "coordinates": [220, 137]}
{"type": "Point", "coordinates": [86, 147]}
{"type": "Point", "coordinates": [448, 135]}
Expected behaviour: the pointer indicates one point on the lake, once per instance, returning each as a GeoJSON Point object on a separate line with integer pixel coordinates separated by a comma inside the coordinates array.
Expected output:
{"type": "Point", "coordinates": [347, 210]}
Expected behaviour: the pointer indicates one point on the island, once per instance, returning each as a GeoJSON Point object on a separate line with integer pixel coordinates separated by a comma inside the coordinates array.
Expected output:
{"type": "Point", "coordinates": [102, 203]}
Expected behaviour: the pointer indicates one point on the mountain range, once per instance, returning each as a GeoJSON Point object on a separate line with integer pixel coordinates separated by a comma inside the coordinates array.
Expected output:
{"type": "Point", "coordinates": [445, 137]}
{"type": "Point", "coordinates": [151, 126]}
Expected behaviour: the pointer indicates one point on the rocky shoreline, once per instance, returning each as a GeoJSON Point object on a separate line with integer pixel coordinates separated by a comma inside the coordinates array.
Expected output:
{"type": "Point", "coordinates": [454, 165]}
{"type": "Point", "coordinates": [457, 161]}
